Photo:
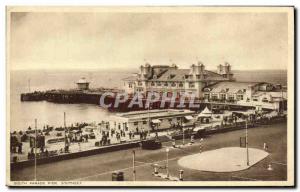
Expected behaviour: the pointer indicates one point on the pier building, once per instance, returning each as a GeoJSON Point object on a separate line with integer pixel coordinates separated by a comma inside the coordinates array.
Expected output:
{"type": "Point", "coordinates": [207, 86]}
{"type": "Point", "coordinates": [171, 79]}
{"type": "Point", "coordinates": [257, 94]}
{"type": "Point", "coordinates": [152, 120]}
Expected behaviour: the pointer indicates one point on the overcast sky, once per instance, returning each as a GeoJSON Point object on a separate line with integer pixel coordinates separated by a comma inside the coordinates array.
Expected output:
{"type": "Point", "coordinates": [123, 40]}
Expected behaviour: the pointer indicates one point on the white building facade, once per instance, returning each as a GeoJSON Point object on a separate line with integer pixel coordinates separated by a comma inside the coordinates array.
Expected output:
{"type": "Point", "coordinates": [172, 80]}
{"type": "Point", "coordinates": [256, 94]}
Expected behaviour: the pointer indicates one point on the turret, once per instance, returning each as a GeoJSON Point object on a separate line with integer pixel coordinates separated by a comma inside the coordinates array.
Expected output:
{"type": "Point", "coordinates": [197, 69]}
{"type": "Point", "coordinates": [225, 70]}
{"type": "Point", "coordinates": [145, 71]}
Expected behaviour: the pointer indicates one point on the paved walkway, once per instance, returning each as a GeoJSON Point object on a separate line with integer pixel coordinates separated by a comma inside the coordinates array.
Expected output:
{"type": "Point", "coordinates": [227, 159]}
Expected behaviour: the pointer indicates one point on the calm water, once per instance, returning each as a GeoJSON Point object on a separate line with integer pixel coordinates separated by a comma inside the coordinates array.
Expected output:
{"type": "Point", "coordinates": [24, 113]}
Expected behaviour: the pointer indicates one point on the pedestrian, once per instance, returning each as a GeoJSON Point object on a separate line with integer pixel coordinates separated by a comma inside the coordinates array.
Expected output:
{"type": "Point", "coordinates": [129, 134]}
{"type": "Point", "coordinates": [20, 148]}
{"type": "Point", "coordinates": [173, 143]}
{"type": "Point", "coordinates": [265, 146]}
{"type": "Point", "coordinates": [79, 147]}
{"type": "Point", "coordinates": [46, 153]}
{"type": "Point", "coordinates": [141, 135]}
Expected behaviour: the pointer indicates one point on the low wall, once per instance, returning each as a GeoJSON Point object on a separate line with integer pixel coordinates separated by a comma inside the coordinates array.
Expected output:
{"type": "Point", "coordinates": [104, 149]}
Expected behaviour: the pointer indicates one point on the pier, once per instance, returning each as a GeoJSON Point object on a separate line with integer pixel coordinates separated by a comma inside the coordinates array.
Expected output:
{"type": "Point", "coordinates": [93, 97]}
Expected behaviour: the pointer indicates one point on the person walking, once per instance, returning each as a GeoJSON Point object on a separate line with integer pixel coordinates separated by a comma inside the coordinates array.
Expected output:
{"type": "Point", "coordinates": [130, 134]}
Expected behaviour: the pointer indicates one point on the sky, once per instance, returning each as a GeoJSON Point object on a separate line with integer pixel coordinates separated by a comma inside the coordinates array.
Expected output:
{"type": "Point", "coordinates": [122, 40]}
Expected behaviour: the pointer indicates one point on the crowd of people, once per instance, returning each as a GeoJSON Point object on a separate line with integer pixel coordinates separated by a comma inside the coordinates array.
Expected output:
{"type": "Point", "coordinates": [117, 134]}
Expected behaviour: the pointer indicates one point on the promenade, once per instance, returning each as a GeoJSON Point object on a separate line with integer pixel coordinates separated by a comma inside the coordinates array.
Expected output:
{"type": "Point", "coordinates": [100, 167]}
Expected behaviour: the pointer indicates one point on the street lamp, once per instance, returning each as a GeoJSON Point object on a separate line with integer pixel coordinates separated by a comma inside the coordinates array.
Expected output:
{"type": "Point", "coordinates": [35, 152]}
{"type": "Point", "coordinates": [247, 141]}
{"type": "Point", "coordinates": [167, 166]}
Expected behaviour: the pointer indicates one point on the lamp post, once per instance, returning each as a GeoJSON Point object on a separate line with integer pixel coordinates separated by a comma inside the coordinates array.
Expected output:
{"type": "Point", "coordinates": [247, 150]}
{"type": "Point", "coordinates": [181, 122]}
{"type": "Point", "coordinates": [133, 165]}
{"type": "Point", "coordinates": [167, 166]}
{"type": "Point", "coordinates": [35, 162]}
{"type": "Point", "coordinates": [149, 122]}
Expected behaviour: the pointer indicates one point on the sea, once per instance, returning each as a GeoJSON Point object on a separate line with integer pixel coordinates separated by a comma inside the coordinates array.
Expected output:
{"type": "Point", "coordinates": [22, 114]}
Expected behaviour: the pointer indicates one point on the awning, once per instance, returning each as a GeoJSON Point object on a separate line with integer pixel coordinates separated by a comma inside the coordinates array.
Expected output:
{"type": "Point", "coordinates": [189, 117]}
{"type": "Point", "coordinates": [156, 121]}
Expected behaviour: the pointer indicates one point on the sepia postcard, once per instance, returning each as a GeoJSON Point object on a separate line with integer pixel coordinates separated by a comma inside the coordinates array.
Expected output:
{"type": "Point", "coordinates": [150, 96]}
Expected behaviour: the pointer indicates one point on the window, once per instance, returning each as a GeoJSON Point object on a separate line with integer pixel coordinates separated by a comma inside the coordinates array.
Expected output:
{"type": "Point", "coordinates": [152, 84]}
{"type": "Point", "coordinates": [214, 96]}
{"type": "Point", "coordinates": [140, 83]}
{"type": "Point", "coordinates": [144, 122]}
{"type": "Point", "coordinates": [223, 96]}
{"type": "Point", "coordinates": [240, 97]}
{"type": "Point", "coordinates": [231, 97]}
{"type": "Point", "coordinates": [158, 83]}
{"type": "Point", "coordinates": [191, 85]}
{"type": "Point", "coordinates": [180, 84]}
{"type": "Point", "coordinates": [173, 84]}
{"type": "Point", "coordinates": [166, 84]}
{"type": "Point", "coordinates": [130, 85]}
{"type": "Point", "coordinates": [135, 123]}
{"type": "Point", "coordinates": [206, 95]}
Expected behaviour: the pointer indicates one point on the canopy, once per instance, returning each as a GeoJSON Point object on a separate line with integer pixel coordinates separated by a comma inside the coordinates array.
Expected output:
{"type": "Point", "coordinates": [189, 117]}
{"type": "Point", "coordinates": [156, 121]}
{"type": "Point", "coordinates": [205, 113]}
